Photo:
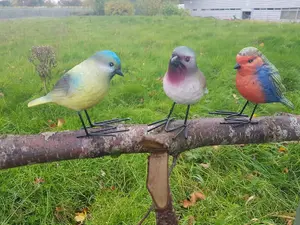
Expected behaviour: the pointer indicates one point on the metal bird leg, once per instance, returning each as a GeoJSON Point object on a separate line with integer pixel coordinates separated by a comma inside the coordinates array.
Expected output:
{"type": "Point", "coordinates": [231, 114]}
{"type": "Point", "coordinates": [239, 121]}
{"type": "Point", "coordinates": [163, 121]}
{"type": "Point", "coordinates": [108, 131]}
{"type": "Point", "coordinates": [105, 123]}
{"type": "Point", "coordinates": [182, 127]}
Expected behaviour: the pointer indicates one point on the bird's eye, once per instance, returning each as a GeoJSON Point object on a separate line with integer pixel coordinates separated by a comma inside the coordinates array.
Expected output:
{"type": "Point", "coordinates": [187, 58]}
{"type": "Point", "coordinates": [250, 60]}
{"type": "Point", "coordinates": [111, 64]}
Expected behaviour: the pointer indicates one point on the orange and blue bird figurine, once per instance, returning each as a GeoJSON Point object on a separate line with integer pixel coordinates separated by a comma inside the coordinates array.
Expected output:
{"type": "Point", "coordinates": [258, 81]}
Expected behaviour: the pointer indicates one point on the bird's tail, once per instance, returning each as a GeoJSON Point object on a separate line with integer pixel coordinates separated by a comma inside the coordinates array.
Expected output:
{"type": "Point", "coordinates": [39, 101]}
{"type": "Point", "coordinates": [287, 103]}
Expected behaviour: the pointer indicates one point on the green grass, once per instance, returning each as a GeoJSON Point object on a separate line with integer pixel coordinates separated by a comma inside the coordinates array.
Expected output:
{"type": "Point", "coordinates": [144, 45]}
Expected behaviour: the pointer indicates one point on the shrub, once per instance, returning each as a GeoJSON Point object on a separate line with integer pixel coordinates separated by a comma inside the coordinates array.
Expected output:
{"type": "Point", "coordinates": [49, 3]}
{"type": "Point", "coordinates": [27, 2]}
{"type": "Point", "coordinates": [70, 3]}
{"type": "Point", "coordinates": [169, 9]}
{"type": "Point", "coordinates": [119, 7]}
{"type": "Point", "coordinates": [88, 3]}
{"type": "Point", "coordinates": [155, 7]}
{"type": "Point", "coordinates": [98, 6]}
{"type": "Point", "coordinates": [149, 7]}
{"type": "Point", "coordinates": [43, 58]}
{"type": "Point", "coordinates": [5, 3]}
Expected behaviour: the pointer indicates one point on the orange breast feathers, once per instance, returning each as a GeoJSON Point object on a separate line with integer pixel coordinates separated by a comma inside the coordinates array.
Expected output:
{"type": "Point", "coordinates": [247, 81]}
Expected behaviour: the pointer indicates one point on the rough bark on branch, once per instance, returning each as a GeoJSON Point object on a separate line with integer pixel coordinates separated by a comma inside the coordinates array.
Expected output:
{"type": "Point", "coordinates": [20, 150]}
{"type": "Point", "coordinates": [166, 216]}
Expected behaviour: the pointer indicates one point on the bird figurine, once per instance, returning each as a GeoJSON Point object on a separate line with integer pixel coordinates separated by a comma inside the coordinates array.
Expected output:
{"type": "Point", "coordinates": [84, 86]}
{"type": "Point", "coordinates": [184, 84]}
{"type": "Point", "coordinates": [258, 81]}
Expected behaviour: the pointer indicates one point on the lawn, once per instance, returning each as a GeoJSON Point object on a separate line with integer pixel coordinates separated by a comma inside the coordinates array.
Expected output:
{"type": "Point", "coordinates": [114, 189]}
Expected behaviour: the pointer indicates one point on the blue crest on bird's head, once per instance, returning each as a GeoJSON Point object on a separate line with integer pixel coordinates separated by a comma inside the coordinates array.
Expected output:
{"type": "Point", "coordinates": [109, 55]}
{"type": "Point", "coordinates": [110, 61]}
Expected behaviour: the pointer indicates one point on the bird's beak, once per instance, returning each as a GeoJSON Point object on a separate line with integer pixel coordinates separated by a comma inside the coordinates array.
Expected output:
{"type": "Point", "coordinates": [237, 66]}
{"type": "Point", "coordinates": [175, 61]}
{"type": "Point", "coordinates": [119, 72]}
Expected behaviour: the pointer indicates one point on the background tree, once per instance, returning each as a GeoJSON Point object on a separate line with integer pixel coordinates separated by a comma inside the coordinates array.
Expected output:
{"type": "Point", "coordinates": [88, 3]}
{"type": "Point", "coordinates": [28, 2]}
{"type": "Point", "coordinates": [119, 7]}
{"type": "Point", "coordinates": [5, 3]}
{"type": "Point", "coordinates": [155, 7]}
{"type": "Point", "coordinates": [70, 2]}
{"type": "Point", "coordinates": [149, 7]}
{"type": "Point", "coordinates": [98, 6]}
{"type": "Point", "coordinates": [49, 3]}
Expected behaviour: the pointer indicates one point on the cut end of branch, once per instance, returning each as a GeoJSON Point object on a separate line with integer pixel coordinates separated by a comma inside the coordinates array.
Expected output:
{"type": "Point", "coordinates": [157, 179]}
{"type": "Point", "coordinates": [152, 143]}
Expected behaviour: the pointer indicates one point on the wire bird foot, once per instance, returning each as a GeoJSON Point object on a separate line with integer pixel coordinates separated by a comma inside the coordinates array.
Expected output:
{"type": "Point", "coordinates": [105, 123]}
{"type": "Point", "coordinates": [166, 122]}
{"type": "Point", "coordinates": [238, 122]}
{"type": "Point", "coordinates": [163, 122]}
{"type": "Point", "coordinates": [109, 130]}
{"type": "Point", "coordinates": [229, 114]}
{"type": "Point", "coordinates": [160, 123]}
{"type": "Point", "coordinates": [183, 128]}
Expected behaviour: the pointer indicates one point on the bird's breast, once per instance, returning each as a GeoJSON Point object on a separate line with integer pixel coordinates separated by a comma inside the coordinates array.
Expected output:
{"type": "Point", "coordinates": [249, 87]}
{"type": "Point", "coordinates": [188, 91]}
{"type": "Point", "coordinates": [89, 93]}
{"type": "Point", "coordinates": [93, 92]}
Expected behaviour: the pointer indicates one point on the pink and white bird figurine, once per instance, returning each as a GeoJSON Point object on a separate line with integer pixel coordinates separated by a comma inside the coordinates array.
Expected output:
{"type": "Point", "coordinates": [184, 83]}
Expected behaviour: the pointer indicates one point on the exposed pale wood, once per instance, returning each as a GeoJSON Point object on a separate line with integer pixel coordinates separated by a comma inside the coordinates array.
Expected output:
{"type": "Point", "coordinates": [157, 179]}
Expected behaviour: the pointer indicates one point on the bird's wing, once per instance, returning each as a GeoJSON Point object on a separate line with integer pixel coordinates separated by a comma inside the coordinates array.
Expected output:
{"type": "Point", "coordinates": [66, 86]}
{"type": "Point", "coordinates": [202, 81]}
{"type": "Point", "coordinates": [273, 76]}
{"type": "Point", "coordinates": [276, 79]}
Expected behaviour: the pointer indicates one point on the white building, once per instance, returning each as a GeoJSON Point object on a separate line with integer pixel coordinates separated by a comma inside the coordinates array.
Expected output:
{"type": "Point", "coordinates": [272, 10]}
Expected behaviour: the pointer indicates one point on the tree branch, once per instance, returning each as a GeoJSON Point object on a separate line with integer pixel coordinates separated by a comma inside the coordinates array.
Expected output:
{"type": "Point", "coordinates": [20, 150]}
